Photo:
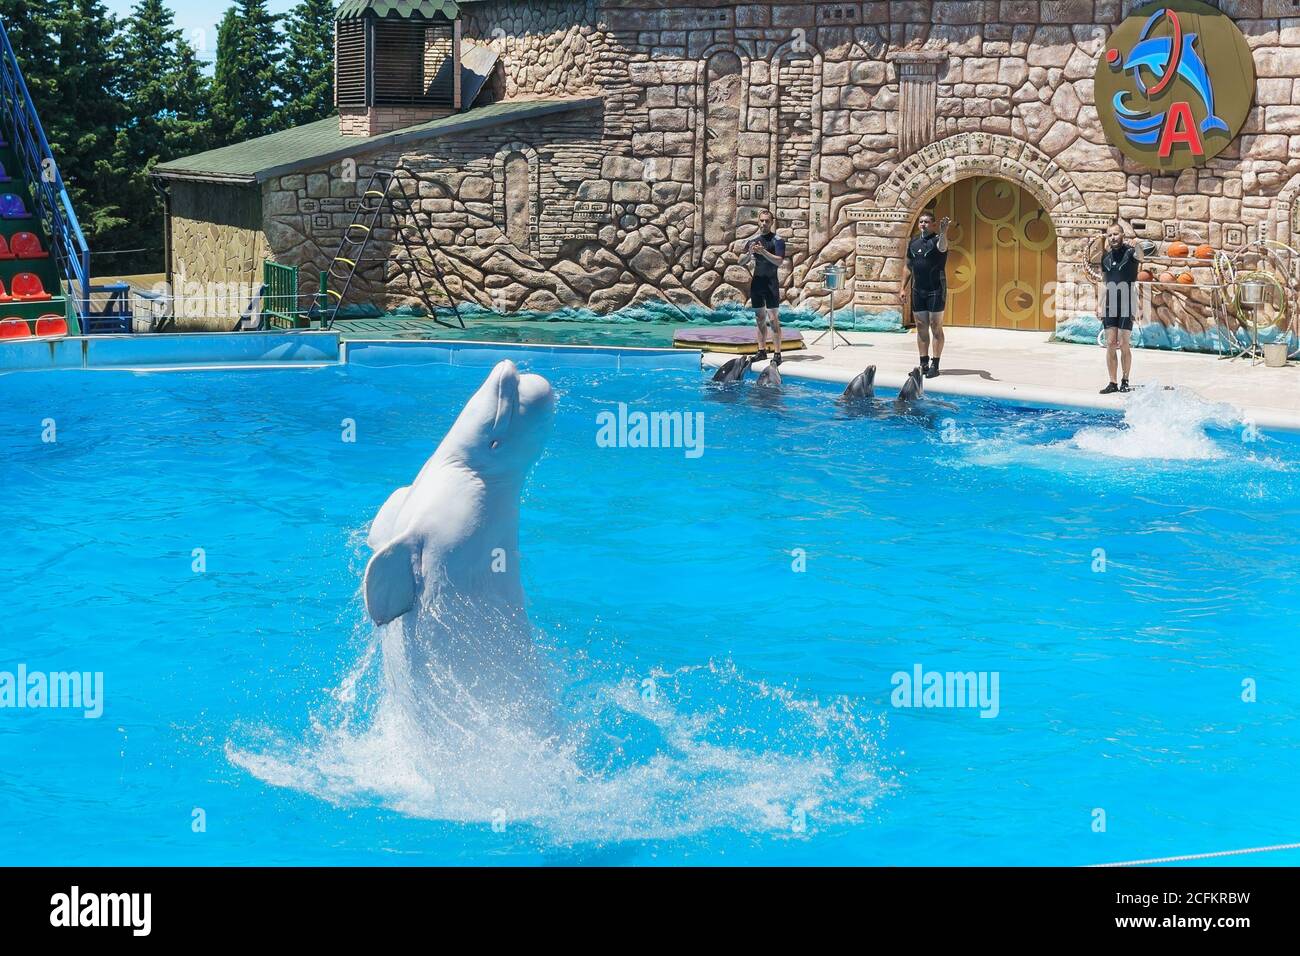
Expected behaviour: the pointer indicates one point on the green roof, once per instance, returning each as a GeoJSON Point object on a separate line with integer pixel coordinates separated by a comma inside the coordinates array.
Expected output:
{"type": "Point", "coordinates": [428, 9]}
{"type": "Point", "coordinates": [316, 144]}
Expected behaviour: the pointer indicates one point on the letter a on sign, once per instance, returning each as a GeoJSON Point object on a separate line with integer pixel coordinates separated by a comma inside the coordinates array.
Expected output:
{"type": "Point", "coordinates": [1180, 127]}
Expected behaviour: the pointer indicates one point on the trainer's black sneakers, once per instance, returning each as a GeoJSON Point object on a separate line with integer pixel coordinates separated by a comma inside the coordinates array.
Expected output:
{"type": "Point", "coordinates": [1124, 386]}
{"type": "Point", "coordinates": [776, 359]}
{"type": "Point", "coordinates": [760, 355]}
{"type": "Point", "coordinates": [933, 370]}
{"type": "Point", "coordinates": [1110, 389]}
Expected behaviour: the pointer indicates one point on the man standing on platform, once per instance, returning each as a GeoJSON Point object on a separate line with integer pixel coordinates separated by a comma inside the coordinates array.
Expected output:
{"type": "Point", "coordinates": [767, 252]}
{"type": "Point", "coordinates": [927, 258]}
{"type": "Point", "coordinates": [1119, 271]}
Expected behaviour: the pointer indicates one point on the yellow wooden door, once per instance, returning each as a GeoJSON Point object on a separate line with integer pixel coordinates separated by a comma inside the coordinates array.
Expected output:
{"type": "Point", "coordinates": [1001, 255]}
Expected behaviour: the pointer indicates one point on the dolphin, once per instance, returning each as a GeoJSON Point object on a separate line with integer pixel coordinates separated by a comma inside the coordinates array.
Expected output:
{"type": "Point", "coordinates": [733, 370]}
{"type": "Point", "coordinates": [770, 377]}
{"type": "Point", "coordinates": [913, 389]}
{"type": "Point", "coordinates": [444, 582]}
{"type": "Point", "coordinates": [863, 386]}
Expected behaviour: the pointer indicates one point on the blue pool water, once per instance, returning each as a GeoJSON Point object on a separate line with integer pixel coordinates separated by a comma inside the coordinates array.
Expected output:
{"type": "Point", "coordinates": [721, 706]}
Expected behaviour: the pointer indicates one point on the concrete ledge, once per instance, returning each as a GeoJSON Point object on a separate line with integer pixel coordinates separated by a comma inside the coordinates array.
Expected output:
{"type": "Point", "coordinates": [219, 349]}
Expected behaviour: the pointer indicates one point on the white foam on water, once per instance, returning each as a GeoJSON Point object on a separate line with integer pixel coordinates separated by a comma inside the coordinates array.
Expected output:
{"type": "Point", "coordinates": [1161, 423]}
{"type": "Point", "coordinates": [708, 749]}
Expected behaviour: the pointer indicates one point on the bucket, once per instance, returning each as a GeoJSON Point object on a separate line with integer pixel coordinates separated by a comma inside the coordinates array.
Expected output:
{"type": "Point", "coordinates": [1251, 293]}
{"type": "Point", "coordinates": [833, 276]}
{"type": "Point", "coordinates": [1275, 354]}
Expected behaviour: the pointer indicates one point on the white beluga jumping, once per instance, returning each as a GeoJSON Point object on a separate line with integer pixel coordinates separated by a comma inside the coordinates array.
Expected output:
{"type": "Point", "coordinates": [458, 648]}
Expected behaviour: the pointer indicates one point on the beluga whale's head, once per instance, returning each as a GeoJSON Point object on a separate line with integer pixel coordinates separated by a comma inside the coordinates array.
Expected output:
{"type": "Point", "coordinates": [502, 429]}
{"type": "Point", "coordinates": [452, 534]}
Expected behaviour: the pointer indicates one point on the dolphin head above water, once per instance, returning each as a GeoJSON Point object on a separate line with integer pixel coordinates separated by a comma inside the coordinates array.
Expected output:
{"type": "Point", "coordinates": [733, 370]}
{"type": "Point", "coordinates": [863, 385]}
{"type": "Point", "coordinates": [440, 533]}
{"type": "Point", "coordinates": [770, 377]}
{"type": "Point", "coordinates": [913, 389]}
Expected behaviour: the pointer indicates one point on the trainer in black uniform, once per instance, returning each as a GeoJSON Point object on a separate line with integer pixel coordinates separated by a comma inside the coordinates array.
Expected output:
{"type": "Point", "coordinates": [1119, 270]}
{"type": "Point", "coordinates": [927, 258]}
{"type": "Point", "coordinates": [767, 250]}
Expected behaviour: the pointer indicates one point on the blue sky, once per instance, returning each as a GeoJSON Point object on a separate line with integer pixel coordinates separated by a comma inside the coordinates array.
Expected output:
{"type": "Point", "coordinates": [198, 18]}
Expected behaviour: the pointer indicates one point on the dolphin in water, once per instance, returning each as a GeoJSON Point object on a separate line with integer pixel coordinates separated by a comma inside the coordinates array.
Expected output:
{"type": "Point", "coordinates": [770, 377]}
{"type": "Point", "coordinates": [863, 385]}
{"type": "Point", "coordinates": [444, 580]}
{"type": "Point", "coordinates": [734, 370]}
{"type": "Point", "coordinates": [913, 389]}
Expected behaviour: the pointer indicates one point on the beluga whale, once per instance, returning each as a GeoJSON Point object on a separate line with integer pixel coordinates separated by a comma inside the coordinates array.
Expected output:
{"type": "Point", "coordinates": [443, 583]}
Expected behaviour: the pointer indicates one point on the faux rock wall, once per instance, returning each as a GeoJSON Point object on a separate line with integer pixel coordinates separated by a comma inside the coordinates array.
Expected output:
{"type": "Point", "coordinates": [218, 243]}
{"type": "Point", "coordinates": [846, 118]}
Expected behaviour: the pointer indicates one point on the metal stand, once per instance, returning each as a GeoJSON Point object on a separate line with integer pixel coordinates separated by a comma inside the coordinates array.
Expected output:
{"type": "Point", "coordinates": [833, 279]}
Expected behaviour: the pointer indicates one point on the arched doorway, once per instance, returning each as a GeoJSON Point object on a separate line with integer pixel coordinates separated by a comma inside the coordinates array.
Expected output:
{"type": "Point", "coordinates": [1002, 255]}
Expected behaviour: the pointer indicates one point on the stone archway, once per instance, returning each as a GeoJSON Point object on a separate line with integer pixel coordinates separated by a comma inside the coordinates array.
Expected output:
{"type": "Point", "coordinates": [883, 224]}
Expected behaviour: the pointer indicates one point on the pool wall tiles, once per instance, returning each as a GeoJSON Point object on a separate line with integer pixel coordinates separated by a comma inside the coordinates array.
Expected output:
{"type": "Point", "coordinates": [127, 351]}
{"type": "Point", "coordinates": [314, 348]}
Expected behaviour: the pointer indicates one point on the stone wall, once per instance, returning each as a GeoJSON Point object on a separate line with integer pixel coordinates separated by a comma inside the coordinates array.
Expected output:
{"type": "Point", "coordinates": [846, 118]}
{"type": "Point", "coordinates": [218, 243]}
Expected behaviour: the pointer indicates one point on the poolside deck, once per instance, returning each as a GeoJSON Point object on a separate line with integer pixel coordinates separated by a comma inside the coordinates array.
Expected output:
{"type": "Point", "coordinates": [1026, 366]}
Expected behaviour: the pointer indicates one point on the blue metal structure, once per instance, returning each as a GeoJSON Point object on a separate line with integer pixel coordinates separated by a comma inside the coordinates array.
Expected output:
{"type": "Point", "coordinates": [52, 204]}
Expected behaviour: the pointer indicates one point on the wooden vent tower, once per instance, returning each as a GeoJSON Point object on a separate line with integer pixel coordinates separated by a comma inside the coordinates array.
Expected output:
{"type": "Point", "coordinates": [396, 63]}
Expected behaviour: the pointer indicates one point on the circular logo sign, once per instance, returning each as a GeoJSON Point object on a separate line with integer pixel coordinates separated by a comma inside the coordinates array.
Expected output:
{"type": "Point", "coordinates": [1174, 84]}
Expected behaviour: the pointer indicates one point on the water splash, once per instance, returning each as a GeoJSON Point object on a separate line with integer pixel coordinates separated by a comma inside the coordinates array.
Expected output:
{"type": "Point", "coordinates": [1163, 423]}
{"type": "Point", "coordinates": [677, 753]}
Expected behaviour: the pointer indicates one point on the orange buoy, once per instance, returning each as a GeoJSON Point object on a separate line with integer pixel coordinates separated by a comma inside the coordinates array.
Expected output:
{"type": "Point", "coordinates": [1177, 250]}
{"type": "Point", "coordinates": [1186, 278]}
{"type": "Point", "coordinates": [1166, 277]}
{"type": "Point", "coordinates": [1205, 251]}
{"type": "Point", "coordinates": [1145, 276]}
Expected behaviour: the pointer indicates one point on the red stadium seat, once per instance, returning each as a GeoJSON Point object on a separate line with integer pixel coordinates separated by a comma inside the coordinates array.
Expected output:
{"type": "Point", "coordinates": [4, 249]}
{"type": "Point", "coordinates": [27, 245]}
{"type": "Point", "coordinates": [27, 287]}
{"type": "Point", "coordinates": [51, 325]}
{"type": "Point", "coordinates": [14, 329]}
{"type": "Point", "coordinates": [4, 294]}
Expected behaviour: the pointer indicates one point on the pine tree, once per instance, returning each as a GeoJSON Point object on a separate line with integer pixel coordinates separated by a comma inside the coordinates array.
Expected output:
{"type": "Point", "coordinates": [82, 110]}
{"type": "Point", "coordinates": [308, 81]}
{"type": "Point", "coordinates": [245, 87]}
{"type": "Point", "coordinates": [165, 96]}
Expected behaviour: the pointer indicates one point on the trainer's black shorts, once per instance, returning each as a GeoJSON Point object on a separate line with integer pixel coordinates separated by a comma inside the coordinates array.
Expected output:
{"type": "Point", "coordinates": [929, 300]}
{"type": "Point", "coordinates": [1122, 322]}
{"type": "Point", "coordinates": [764, 294]}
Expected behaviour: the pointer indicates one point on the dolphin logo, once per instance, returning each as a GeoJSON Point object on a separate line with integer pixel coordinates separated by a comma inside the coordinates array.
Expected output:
{"type": "Point", "coordinates": [1165, 57]}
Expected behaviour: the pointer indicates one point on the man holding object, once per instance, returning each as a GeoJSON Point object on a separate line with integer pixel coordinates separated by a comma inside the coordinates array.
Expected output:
{"type": "Point", "coordinates": [1119, 270]}
{"type": "Point", "coordinates": [927, 260]}
{"type": "Point", "coordinates": [767, 252]}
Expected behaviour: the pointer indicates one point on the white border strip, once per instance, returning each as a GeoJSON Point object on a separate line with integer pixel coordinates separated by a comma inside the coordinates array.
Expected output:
{"type": "Point", "coordinates": [1200, 856]}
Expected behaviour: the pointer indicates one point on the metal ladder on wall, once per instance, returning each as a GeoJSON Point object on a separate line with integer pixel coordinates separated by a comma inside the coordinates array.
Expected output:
{"type": "Point", "coordinates": [387, 193]}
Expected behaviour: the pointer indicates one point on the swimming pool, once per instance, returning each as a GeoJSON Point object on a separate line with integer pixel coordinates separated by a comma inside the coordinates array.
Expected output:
{"type": "Point", "coordinates": [725, 627]}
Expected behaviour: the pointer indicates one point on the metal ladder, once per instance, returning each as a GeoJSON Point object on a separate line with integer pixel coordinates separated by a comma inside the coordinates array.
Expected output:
{"type": "Point", "coordinates": [386, 192]}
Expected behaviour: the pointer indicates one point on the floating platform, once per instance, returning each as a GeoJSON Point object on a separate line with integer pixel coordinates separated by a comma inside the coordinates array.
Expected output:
{"type": "Point", "coordinates": [737, 339]}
